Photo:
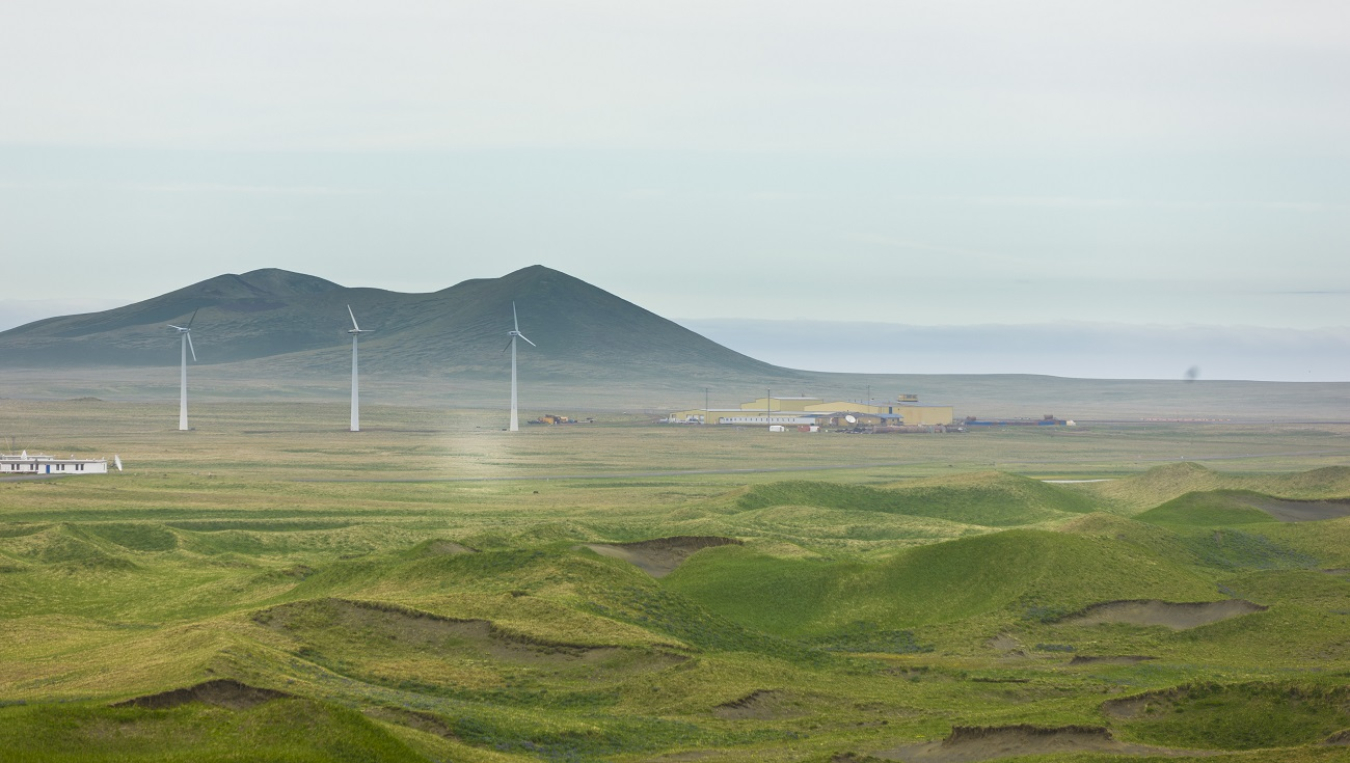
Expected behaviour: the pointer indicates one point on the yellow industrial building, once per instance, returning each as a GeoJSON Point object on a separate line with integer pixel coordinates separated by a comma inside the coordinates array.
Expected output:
{"type": "Point", "coordinates": [801, 411]}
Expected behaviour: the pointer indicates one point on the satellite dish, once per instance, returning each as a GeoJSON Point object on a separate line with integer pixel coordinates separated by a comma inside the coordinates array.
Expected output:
{"type": "Point", "coordinates": [117, 460]}
{"type": "Point", "coordinates": [851, 419]}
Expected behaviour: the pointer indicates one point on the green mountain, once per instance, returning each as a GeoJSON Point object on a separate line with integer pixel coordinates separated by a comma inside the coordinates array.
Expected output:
{"type": "Point", "coordinates": [273, 333]}
{"type": "Point", "coordinates": [270, 313]}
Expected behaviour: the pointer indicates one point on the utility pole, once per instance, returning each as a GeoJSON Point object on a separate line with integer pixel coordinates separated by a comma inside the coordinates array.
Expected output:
{"type": "Point", "coordinates": [705, 406]}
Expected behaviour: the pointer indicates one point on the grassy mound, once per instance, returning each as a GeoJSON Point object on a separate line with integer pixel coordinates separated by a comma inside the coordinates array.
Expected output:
{"type": "Point", "coordinates": [1191, 531]}
{"type": "Point", "coordinates": [1162, 484]}
{"type": "Point", "coordinates": [137, 536]}
{"type": "Point", "coordinates": [1157, 485]}
{"type": "Point", "coordinates": [991, 499]}
{"type": "Point", "coordinates": [1212, 508]}
{"type": "Point", "coordinates": [286, 731]}
{"type": "Point", "coordinates": [1234, 717]}
{"type": "Point", "coordinates": [67, 547]}
{"type": "Point", "coordinates": [1016, 572]}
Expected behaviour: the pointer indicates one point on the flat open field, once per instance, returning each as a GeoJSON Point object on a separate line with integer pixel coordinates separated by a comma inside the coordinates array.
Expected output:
{"type": "Point", "coordinates": [272, 587]}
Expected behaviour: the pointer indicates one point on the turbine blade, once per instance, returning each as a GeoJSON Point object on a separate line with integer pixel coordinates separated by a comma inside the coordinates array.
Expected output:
{"type": "Point", "coordinates": [514, 319]}
{"type": "Point", "coordinates": [118, 460]}
{"type": "Point", "coordinates": [188, 334]}
{"type": "Point", "coordinates": [193, 318]}
{"type": "Point", "coordinates": [180, 328]}
{"type": "Point", "coordinates": [522, 336]}
{"type": "Point", "coordinates": [509, 342]}
{"type": "Point", "coordinates": [353, 315]}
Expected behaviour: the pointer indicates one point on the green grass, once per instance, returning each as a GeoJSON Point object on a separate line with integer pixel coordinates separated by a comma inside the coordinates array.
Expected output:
{"type": "Point", "coordinates": [1243, 716]}
{"type": "Point", "coordinates": [991, 499]}
{"type": "Point", "coordinates": [1012, 574]}
{"type": "Point", "coordinates": [1216, 508]}
{"type": "Point", "coordinates": [286, 731]}
{"type": "Point", "coordinates": [872, 605]}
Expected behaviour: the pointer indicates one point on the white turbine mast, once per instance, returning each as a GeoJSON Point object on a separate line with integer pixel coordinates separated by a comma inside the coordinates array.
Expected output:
{"type": "Point", "coordinates": [356, 332]}
{"type": "Point", "coordinates": [511, 344]}
{"type": "Point", "coordinates": [186, 332]}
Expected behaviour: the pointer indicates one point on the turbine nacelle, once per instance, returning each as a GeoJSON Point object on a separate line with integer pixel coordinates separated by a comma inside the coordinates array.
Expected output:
{"type": "Point", "coordinates": [513, 335]}
{"type": "Point", "coordinates": [186, 331]}
{"type": "Point", "coordinates": [515, 332]}
{"type": "Point", "coordinates": [355, 329]}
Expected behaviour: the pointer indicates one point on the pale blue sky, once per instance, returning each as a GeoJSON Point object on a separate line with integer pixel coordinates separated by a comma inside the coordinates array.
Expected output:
{"type": "Point", "coordinates": [954, 163]}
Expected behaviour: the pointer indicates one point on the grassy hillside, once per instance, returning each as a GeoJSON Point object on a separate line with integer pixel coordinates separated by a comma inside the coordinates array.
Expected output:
{"type": "Point", "coordinates": [1166, 483]}
{"type": "Point", "coordinates": [1215, 508]}
{"type": "Point", "coordinates": [207, 605]}
{"type": "Point", "coordinates": [1012, 574]}
{"type": "Point", "coordinates": [991, 499]}
{"type": "Point", "coordinates": [271, 313]}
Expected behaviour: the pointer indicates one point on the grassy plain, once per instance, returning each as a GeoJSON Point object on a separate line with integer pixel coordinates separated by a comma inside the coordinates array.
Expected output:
{"type": "Point", "coordinates": [421, 591]}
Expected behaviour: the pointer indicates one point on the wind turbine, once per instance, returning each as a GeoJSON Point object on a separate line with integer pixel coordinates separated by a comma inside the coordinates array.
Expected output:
{"type": "Point", "coordinates": [186, 332]}
{"type": "Point", "coordinates": [356, 332]}
{"type": "Point", "coordinates": [515, 423]}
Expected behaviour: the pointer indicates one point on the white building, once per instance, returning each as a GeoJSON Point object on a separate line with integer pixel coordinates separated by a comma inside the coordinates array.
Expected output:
{"type": "Point", "coordinates": [24, 464]}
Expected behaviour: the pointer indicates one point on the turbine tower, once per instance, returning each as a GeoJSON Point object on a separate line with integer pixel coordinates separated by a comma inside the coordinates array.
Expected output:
{"type": "Point", "coordinates": [515, 419]}
{"type": "Point", "coordinates": [186, 332]}
{"type": "Point", "coordinates": [356, 332]}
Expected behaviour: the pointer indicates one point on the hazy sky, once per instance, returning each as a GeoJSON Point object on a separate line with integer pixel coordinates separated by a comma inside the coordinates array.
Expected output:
{"type": "Point", "coordinates": [925, 163]}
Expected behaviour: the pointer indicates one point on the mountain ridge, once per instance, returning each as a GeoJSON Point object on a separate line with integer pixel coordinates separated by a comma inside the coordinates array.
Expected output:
{"type": "Point", "coordinates": [266, 313]}
{"type": "Point", "coordinates": [274, 334]}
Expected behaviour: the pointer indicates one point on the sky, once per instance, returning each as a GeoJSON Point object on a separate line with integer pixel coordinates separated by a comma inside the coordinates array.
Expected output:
{"type": "Point", "coordinates": [956, 166]}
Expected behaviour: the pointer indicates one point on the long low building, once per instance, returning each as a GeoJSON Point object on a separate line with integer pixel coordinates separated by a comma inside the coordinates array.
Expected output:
{"type": "Point", "coordinates": [24, 464]}
{"type": "Point", "coordinates": [905, 411]}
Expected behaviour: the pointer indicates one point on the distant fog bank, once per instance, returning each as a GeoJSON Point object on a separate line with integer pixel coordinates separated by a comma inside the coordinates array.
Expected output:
{"type": "Point", "coordinates": [1080, 350]}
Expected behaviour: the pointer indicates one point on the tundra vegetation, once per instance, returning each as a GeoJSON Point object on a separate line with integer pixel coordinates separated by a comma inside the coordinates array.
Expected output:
{"type": "Point", "coordinates": [268, 587]}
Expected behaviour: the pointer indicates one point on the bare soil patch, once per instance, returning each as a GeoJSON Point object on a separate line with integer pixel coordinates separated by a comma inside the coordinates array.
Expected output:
{"type": "Point", "coordinates": [1110, 659]}
{"type": "Point", "coordinates": [448, 548]}
{"type": "Point", "coordinates": [1340, 739]}
{"type": "Point", "coordinates": [412, 719]}
{"type": "Point", "coordinates": [1129, 708]}
{"type": "Point", "coordinates": [974, 743]}
{"type": "Point", "coordinates": [223, 692]}
{"type": "Point", "coordinates": [761, 705]}
{"type": "Point", "coordinates": [1178, 616]}
{"type": "Point", "coordinates": [1286, 510]}
{"type": "Point", "coordinates": [660, 556]}
{"type": "Point", "coordinates": [1004, 643]}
